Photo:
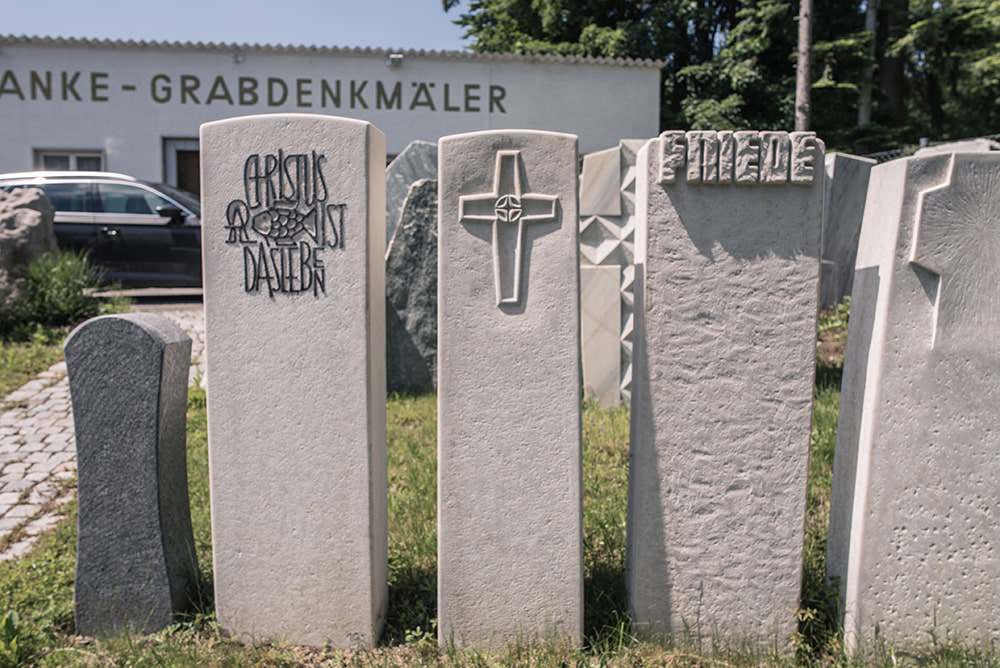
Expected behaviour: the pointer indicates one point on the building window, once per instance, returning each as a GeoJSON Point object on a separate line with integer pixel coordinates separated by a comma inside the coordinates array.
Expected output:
{"type": "Point", "coordinates": [75, 161]}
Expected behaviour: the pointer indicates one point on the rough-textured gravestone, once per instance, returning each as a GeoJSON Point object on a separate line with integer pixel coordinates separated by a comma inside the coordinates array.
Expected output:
{"type": "Point", "coordinates": [844, 207]}
{"type": "Point", "coordinates": [26, 232]}
{"type": "Point", "coordinates": [727, 265]}
{"type": "Point", "coordinates": [135, 565]}
{"type": "Point", "coordinates": [417, 161]}
{"type": "Point", "coordinates": [607, 238]}
{"type": "Point", "coordinates": [600, 342]}
{"type": "Point", "coordinates": [509, 480]}
{"type": "Point", "coordinates": [293, 211]}
{"type": "Point", "coordinates": [913, 528]}
{"type": "Point", "coordinates": [411, 291]}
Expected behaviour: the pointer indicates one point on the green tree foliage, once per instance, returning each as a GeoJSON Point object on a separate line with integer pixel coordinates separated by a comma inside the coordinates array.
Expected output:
{"type": "Point", "coordinates": [731, 64]}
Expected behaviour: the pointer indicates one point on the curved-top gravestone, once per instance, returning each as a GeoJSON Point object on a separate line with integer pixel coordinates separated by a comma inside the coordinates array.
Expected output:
{"type": "Point", "coordinates": [135, 552]}
{"type": "Point", "coordinates": [914, 537]}
{"type": "Point", "coordinates": [293, 233]}
{"type": "Point", "coordinates": [727, 269]}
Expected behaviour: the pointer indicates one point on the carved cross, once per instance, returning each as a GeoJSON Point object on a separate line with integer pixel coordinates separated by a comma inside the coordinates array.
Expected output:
{"type": "Point", "coordinates": [957, 238]}
{"type": "Point", "coordinates": [507, 209]}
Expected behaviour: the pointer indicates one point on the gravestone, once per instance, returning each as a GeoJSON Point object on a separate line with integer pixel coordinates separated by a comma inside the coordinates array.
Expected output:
{"type": "Point", "coordinates": [136, 566]}
{"type": "Point", "coordinates": [417, 161]}
{"type": "Point", "coordinates": [600, 315]}
{"type": "Point", "coordinates": [913, 534]}
{"type": "Point", "coordinates": [509, 453]}
{"type": "Point", "coordinates": [727, 268]}
{"type": "Point", "coordinates": [411, 291]}
{"type": "Point", "coordinates": [607, 238]}
{"type": "Point", "coordinates": [843, 209]}
{"type": "Point", "coordinates": [978, 145]}
{"type": "Point", "coordinates": [293, 254]}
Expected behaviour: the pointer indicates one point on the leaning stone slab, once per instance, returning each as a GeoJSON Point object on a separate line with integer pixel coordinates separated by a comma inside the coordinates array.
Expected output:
{"type": "Point", "coordinates": [509, 478]}
{"type": "Point", "coordinates": [913, 527]}
{"type": "Point", "coordinates": [844, 207]}
{"type": "Point", "coordinates": [418, 161]}
{"type": "Point", "coordinates": [293, 257]}
{"type": "Point", "coordinates": [411, 291]}
{"type": "Point", "coordinates": [727, 264]}
{"type": "Point", "coordinates": [135, 563]}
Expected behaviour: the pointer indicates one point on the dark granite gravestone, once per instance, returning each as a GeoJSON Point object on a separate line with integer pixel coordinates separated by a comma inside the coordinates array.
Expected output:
{"type": "Point", "coordinates": [136, 564]}
{"type": "Point", "coordinates": [411, 293]}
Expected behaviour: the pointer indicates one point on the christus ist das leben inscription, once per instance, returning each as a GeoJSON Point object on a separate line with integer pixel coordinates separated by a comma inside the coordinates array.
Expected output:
{"type": "Point", "coordinates": [285, 224]}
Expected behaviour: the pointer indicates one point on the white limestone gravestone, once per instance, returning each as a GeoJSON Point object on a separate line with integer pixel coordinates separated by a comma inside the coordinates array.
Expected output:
{"type": "Point", "coordinates": [843, 209]}
{"type": "Point", "coordinates": [509, 452]}
{"type": "Point", "coordinates": [727, 264]}
{"type": "Point", "coordinates": [135, 563]}
{"type": "Point", "coordinates": [294, 224]}
{"type": "Point", "coordinates": [913, 528]}
{"type": "Point", "coordinates": [600, 342]}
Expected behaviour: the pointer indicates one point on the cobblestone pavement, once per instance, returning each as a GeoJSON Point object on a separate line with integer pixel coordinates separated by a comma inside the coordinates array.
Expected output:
{"type": "Point", "coordinates": [38, 449]}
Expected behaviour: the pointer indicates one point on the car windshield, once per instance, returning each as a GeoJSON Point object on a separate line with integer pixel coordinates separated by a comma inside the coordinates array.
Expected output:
{"type": "Point", "coordinates": [189, 200]}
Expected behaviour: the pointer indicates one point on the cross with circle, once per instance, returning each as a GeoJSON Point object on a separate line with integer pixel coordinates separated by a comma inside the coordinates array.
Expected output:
{"type": "Point", "coordinates": [507, 205]}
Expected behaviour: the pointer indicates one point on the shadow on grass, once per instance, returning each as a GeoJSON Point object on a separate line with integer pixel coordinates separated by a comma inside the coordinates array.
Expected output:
{"type": "Point", "coordinates": [412, 604]}
{"type": "Point", "coordinates": [606, 617]}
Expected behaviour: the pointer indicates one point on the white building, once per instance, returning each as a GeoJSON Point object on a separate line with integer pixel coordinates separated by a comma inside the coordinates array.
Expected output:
{"type": "Point", "coordinates": [135, 107]}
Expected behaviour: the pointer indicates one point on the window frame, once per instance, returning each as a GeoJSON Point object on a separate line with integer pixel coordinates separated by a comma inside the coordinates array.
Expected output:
{"type": "Point", "coordinates": [73, 155]}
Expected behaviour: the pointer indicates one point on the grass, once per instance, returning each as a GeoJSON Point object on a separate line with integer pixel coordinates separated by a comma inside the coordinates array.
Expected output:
{"type": "Point", "coordinates": [20, 361]}
{"type": "Point", "coordinates": [37, 590]}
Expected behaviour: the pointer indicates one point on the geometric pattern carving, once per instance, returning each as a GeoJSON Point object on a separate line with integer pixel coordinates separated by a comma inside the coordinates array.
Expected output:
{"type": "Point", "coordinates": [610, 239]}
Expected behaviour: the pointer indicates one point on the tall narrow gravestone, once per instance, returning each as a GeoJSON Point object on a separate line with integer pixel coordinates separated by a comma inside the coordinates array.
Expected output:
{"type": "Point", "coordinates": [844, 207]}
{"type": "Point", "coordinates": [727, 259]}
{"type": "Point", "coordinates": [135, 553]}
{"type": "Point", "coordinates": [914, 536]}
{"type": "Point", "coordinates": [294, 218]}
{"type": "Point", "coordinates": [509, 473]}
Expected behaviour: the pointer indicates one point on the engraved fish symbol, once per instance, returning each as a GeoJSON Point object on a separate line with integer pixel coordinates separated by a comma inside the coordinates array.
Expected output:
{"type": "Point", "coordinates": [282, 224]}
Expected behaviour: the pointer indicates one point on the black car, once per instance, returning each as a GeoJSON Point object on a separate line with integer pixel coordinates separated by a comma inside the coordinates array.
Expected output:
{"type": "Point", "coordinates": [143, 234]}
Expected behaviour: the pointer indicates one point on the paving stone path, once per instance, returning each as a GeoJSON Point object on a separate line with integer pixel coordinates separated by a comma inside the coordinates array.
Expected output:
{"type": "Point", "coordinates": [38, 449]}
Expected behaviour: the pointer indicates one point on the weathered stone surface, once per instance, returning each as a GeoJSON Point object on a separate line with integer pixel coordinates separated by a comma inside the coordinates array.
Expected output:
{"type": "Point", "coordinates": [295, 341]}
{"type": "Point", "coordinates": [135, 552]}
{"type": "Point", "coordinates": [913, 532]}
{"type": "Point", "coordinates": [417, 161]}
{"type": "Point", "coordinates": [844, 207]}
{"type": "Point", "coordinates": [26, 232]}
{"type": "Point", "coordinates": [600, 315]}
{"type": "Point", "coordinates": [411, 291]}
{"type": "Point", "coordinates": [509, 474]}
{"type": "Point", "coordinates": [980, 145]}
{"type": "Point", "coordinates": [726, 292]}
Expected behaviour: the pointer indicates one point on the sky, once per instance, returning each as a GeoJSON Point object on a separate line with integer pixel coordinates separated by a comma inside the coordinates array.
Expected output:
{"type": "Point", "coordinates": [416, 24]}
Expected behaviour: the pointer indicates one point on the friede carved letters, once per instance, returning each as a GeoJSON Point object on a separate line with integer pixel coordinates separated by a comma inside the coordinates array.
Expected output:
{"type": "Point", "coordinates": [743, 157]}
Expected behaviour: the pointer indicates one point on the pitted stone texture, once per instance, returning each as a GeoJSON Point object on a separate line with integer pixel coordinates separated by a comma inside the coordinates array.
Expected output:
{"type": "Point", "coordinates": [135, 563]}
{"type": "Point", "coordinates": [26, 232]}
{"type": "Point", "coordinates": [913, 533]}
{"type": "Point", "coordinates": [411, 293]}
{"type": "Point", "coordinates": [296, 409]}
{"type": "Point", "coordinates": [417, 162]}
{"type": "Point", "coordinates": [509, 480]}
{"type": "Point", "coordinates": [36, 419]}
{"type": "Point", "coordinates": [843, 209]}
{"type": "Point", "coordinates": [607, 238]}
{"type": "Point", "coordinates": [726, 290]}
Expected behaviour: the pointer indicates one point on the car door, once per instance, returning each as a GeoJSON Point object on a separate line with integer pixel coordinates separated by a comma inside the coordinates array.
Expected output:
{"type": "Point", "coordinates": [138, 246]}
{"type": "Point", "coordinates": [75, 204]}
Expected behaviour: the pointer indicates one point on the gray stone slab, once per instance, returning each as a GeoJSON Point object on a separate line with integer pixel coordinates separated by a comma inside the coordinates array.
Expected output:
{"type": "Point", "coordinates": [600, 322]}
{"type": "Point", "coordinates": [843, 209]}
{"type": "Point", "coordinates": [727, 268]}
{"type": "Point", "coordinates": [979, 145]}
{"type": "Point", "coordinates": [295, 342]}
{"type": "Point", "coordinates": [913, 531]}
{"type": "Point", "coordinates": [509, 473]}
{"type": "Point", "coordinates": [135, 552]}
{"type": "Point", "coordinates": [417, 161]}
{"type": "Point", "coordinates": [411, 293]}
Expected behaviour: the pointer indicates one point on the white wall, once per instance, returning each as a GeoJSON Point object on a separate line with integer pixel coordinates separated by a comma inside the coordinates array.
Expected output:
{"type": "Point", "coordinates": [600, 103]}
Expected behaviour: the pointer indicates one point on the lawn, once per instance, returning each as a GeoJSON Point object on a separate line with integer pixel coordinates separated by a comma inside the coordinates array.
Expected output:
{"type": "Point", "coordinates": [39, 588]}
{"type": "Point", "coordinates": [20, 361]}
